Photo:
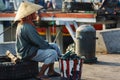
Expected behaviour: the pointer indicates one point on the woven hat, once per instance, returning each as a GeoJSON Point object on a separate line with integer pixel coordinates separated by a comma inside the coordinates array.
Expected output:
{"type": "Point", "coordinates": [25, 9]}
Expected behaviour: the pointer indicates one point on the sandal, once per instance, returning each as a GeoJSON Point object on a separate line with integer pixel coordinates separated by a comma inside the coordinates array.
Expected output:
{"type": "Point", "coordinates": [55, 74]}
{"type": "Point", "coordinates": [45, 77]}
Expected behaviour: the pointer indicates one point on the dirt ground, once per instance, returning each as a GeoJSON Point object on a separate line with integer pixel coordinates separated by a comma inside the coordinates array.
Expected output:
{"type": "Point", "coordinates": [107, 68]}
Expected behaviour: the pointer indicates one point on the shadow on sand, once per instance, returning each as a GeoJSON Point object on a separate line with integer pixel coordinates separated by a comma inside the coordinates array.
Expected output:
{"type": "Point", "coordinates": [108, 63]}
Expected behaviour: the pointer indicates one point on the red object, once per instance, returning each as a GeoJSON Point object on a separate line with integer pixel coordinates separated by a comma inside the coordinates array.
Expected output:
{"type": "Point", "coordinates": [68, 69]}
{"type": "Point", "coordinates": [64, 30]}
{"type": "Point", "coordinates": [56, 15]}
{"type": "Point", "coordinates": [98, 26]}
{"type": "Point", "coordinates": [68, 15]}
{"type": "Point", "coordinates": [42, 30]}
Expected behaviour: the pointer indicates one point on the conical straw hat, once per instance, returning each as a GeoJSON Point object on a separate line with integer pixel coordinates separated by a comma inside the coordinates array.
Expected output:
{"type": "Point", "coordinates": [25, 9]}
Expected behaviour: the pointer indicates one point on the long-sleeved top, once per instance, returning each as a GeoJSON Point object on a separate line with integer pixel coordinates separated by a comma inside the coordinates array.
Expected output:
{"type": "Point", "coordinates": [28, 41]}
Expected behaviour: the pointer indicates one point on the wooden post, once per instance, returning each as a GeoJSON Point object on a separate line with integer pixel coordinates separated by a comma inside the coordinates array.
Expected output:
{"type": "Point", "coordinates": [48, 34]}
{"type": "Point", "coordinates": [60, 38]}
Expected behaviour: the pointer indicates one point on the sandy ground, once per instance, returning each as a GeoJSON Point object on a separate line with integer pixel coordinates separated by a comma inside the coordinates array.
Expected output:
{"type": "Point", "coordinates": [107, 68]}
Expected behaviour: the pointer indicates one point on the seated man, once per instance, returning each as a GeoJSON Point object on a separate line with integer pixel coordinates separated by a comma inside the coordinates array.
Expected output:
{"type": "Point", "coordinates": [30, 45]}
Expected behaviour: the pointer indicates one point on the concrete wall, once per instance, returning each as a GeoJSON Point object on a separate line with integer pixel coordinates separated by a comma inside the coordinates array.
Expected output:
{"type": "Point", "coordinates": [108, 41]}
{"type": "Point", "coordinates": [100, 44]}
{"type": "Point", "coordinates": [111, 39]}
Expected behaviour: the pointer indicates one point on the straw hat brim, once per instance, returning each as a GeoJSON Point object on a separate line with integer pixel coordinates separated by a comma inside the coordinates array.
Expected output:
{"type": "Point", "coordinates": [25, 9]}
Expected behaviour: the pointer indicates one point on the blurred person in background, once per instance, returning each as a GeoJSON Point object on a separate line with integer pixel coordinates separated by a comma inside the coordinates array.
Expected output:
{"type": "Point", "coordinates": [16, 4]}
{"type": "Point", "coordinates": [2, 5]}
{"type": "Point", "coordinates": [109, 6]}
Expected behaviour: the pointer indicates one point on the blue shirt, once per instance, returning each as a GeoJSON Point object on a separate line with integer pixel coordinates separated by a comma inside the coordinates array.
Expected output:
{"type": "Point", "coordinates": [28, 41]}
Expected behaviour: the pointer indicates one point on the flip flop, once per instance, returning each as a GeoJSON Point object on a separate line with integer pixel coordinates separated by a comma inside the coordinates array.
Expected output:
{"type": "Point", "coordinates": [54, 75]}
{"type": "Point", "coordinates": [45, 77]}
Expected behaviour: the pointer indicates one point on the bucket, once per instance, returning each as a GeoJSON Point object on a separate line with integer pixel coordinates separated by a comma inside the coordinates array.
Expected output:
{"type": "Point", "coordinates": [70, 69]}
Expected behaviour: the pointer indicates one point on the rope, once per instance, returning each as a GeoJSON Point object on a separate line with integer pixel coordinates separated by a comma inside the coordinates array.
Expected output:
{"type": "Point", "coordinates": [5, 30]}
{"type": "Point", "coordinates": [12, 25]}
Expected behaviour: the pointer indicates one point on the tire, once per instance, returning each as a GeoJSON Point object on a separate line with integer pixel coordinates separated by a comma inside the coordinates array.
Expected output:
{"type": "Point", "coordinates": [19, 71]}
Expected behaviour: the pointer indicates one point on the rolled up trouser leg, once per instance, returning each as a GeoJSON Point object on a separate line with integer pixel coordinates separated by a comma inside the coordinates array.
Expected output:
{"type": "Point", "coordinates": [46, 56]}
